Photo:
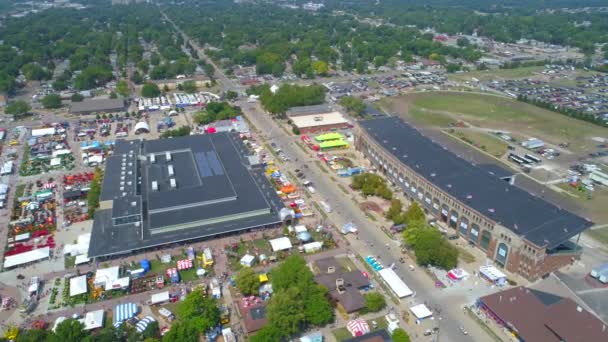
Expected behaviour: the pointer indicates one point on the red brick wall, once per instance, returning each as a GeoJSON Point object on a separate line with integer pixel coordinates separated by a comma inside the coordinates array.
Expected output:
{"type": "Point", "coordinates": [324, 128]}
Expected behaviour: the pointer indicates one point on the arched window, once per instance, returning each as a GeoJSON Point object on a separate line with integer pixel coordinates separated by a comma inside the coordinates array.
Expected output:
{"type": "Point", "coordinates": [464, 226]}
{"type": "Point", "coordinates": [486, 236]}
{"type": "Point", "coordinates": [502, 252]}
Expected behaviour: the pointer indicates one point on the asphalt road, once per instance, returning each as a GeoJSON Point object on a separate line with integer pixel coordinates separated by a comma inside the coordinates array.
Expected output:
{"type": "Point", "coordinates": [371, 239]}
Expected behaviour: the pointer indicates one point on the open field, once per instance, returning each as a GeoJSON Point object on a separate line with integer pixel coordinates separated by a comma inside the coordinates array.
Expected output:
{"type": "Point", "coordinates": [499, 74]}
{"type": "Point", "coordinates": [483, 141]}
{"type": "Point", "coordinates": [495, 112]}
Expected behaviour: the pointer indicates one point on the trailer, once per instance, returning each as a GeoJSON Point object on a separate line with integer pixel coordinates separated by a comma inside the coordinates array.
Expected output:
{"type": "Point", "coordinates": [532, 159]}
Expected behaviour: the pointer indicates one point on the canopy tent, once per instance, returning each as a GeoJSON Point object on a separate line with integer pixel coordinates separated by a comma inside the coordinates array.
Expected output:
{"type": "Point", "coordinates": [125, 311]}
{"type": "Point", "coordinates": [357, 327]}
{"type": "Point", "coordinates": [80, 247]}
{"type": "Point", "coordinates": [26, 257]}
{"type": "Point", "coordinates": [184, 264]}
{"type": "Point", "coordinates": [247, 260]}
{"type": "Point", "coordinates": [420, 311]}
{"type": "Point", "coordinates": [143, 323]}
{"type": "Point", "coordinates": [349, 228]}
{"type": "Point", "coordinates": [458, 274]}
{"type": "Point", "coordinates": [300, 229]}
{"type": "Point", "coordinates": [141, 127]}
{"type": "Point", "coordinates": [493, 274]}
{"type": "Point", "coordinates": [304, 236]}
{"type": "Point", "coordinates": [34, 285]}
{"type": "Point", "coordinates": [78, 285]}
{"type": "Point", "coordinates": [280, 244]}
{"type": "Point", "coordinates": [93, 320]}
{"type": "Point", "coordinates": [159, 297]}
{"type": "Point", "coordinates": [313, 246]}
{"type": "Point", "coordinates": [109, 277]}
{"type": "Point", "coordinates": [395, 283]}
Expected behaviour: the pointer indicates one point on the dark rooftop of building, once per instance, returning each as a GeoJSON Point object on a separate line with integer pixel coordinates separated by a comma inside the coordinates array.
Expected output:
{"type": "Point", "coordinates": [350, 298]}
{"type": "Point", "coordinates": [531, 217]}
{"type": "Point", "coordinates": [97, 105]}
{"type": "Point", "coordinates": [309, 110]}
{"type": "Point", "coordinates": [374, 336]}
{"type": "Point", "coordinates": [173, 190]}
{"type": "Point", "coordinates": [543, 317]}
{"type": "Point", "coordinates": [254, 316]}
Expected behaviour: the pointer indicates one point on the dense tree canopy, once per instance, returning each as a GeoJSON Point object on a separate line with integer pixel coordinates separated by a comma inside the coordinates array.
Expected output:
{"type": "Point", "coordinates": [247, 281]}
{"type": "Point", "coordinates": [372, 185]}
{"type": "Point", "coordinates": [150, 90]}
{"type": "Point", "coordinates": [51, 101]}
{"type": "Point", "coordinates": [17, 108]}
{"type": "Point", "coordinates": [297, 302]}
{"type": "Point", "coordinates": [216, 111]}
{"type": "Point", "coordinates": [289, 96]}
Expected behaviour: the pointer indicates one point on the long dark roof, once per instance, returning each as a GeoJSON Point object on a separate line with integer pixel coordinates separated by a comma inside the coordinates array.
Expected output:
{"type": "Point", "coordinates": [97, 105]}
{"type": "Point", "coordinates": [215, 193]}
{"type": "Point", "coordinates": [531, 217]}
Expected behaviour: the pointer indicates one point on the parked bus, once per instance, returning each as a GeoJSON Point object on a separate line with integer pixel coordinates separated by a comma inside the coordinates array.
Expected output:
{"type": "Point", "coordinates": [517, 159]}
{"type": "Point", "coordinates": [531, 158]}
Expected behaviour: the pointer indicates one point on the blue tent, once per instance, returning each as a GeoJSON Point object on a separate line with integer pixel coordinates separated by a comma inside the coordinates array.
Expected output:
{"type": "Point", "coordinates": [143, 323]}
{"type": "Point", "coordinates": [304, 236]}
{"type": "Point", "coordinates": [145, 264]}
{"type": "Point", "coordinates": [124, 312]}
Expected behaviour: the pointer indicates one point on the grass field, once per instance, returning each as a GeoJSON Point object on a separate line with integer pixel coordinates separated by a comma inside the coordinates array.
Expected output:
{"type": "Point", "coordinates": [504, 74]}
{"type": "Point", "coordinates": [495, 112]}
{"type": "Point", "coordinates": [481, 140]}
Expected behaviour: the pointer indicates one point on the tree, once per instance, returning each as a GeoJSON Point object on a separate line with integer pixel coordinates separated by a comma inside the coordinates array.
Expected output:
{"type": "Point", "coordinates": [69, 330]}
{"type": "Point", "coordinates": [77, 97]}
{"type": "Point", "coordinates": [137, 78]}
{"type": "Point", "coordinates": [320, 68]}
{"type": "Point", "coordinates": [177, 132]}
{"type": "Point", "coordinates": [150, 90]}
{"type": "Point", "coordinates": [200, 310]}
{"type": "Point", "coordinates": [113, 95]}
{"type": "Point", "coordinates": [60, 85]}
{"type": "Point", "coordinates": [152, 331]}
{"type": "Point", "coordinates": [122, 88]}
{"type": "Point", "coordinates": [399, 335]}
{"type": "Point", "coordinates": [247, 281]}
{"type": "Point", "coordinates": [51, 101]}
{"type": "Point", "coordinates": [231, 95]}
{"type": "Point", "coordinates": [285, 311]}
{"type": "Point", "coordinates": [462, 42]}
{"type": "Point", "coordinates": [414, 213]}
{"type": "Point", "coordinates": [374, 301]}
{"type": "Point", "coordinates": [33, 335]}
{"type": "Point", "coordinates": [353, 104]}
{"type": "Point", "coordinates": [94, 191]}
{"type": "Point", "coordinates": [394, 211]}
{"type": "Point", "coordinates": [267, 333]}
{"type": "Point", "coordinates": [189, 87]}
{"type": "Point", "coordinates": [295, 130]}
{"type": "Point", "coordinates": [183, 332]}
{"type": "Point", "coordinates": [292, 272]}
{"type": "Point", "coordinates": [317, 309]}
{"type": "Point", "coordinates": [18, 108]}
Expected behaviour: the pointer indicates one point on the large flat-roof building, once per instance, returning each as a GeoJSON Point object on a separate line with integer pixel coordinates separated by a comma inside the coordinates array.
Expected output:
{"type": "Point", "coordinates": [92, 106]}
{"type": "Point", "coordinates": [315, 119]}
{"type": "Point", "coordinates": [517, 230]}
{"type": "Point", "coordinates": [157, 192]}
{"type": "Point", "coordinates": [533, 315]}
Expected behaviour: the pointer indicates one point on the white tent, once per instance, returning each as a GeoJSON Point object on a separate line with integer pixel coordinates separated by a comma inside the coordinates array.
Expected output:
{"type": "Point", "coordinates": [92, 320]}
{"type": "Point", "coordinates": [109, 278]}
{"type": "Point", "coordinates": [40, 132]}
{"type": "Point", "coordinates": [395, 283]}
{"type": "Point", "coordinates": [313, 246]}
{"type": "Point", "coordinates": [24, 258]}
{"type": "Point", "coordinates": [493, 274]}
{"type": "Point", "coordinates": [420, 311]}
{"type": "Point", "coordinates": [247, 260]}
{"type": "Point", "coordinates": [78, 285]}
{"type": "Point", "coordinates": [141, 127]}
{"type": "Point", "coordinates": [55, 162]}
{"type": "Point", "coordinates": [81, 259]}
{"type": "Point", "coordinates": [80, 247]}
{"type": "Point", "coordinates": [280, 244]}
{"type": "Point", "coordinates": [159, 297]}
{"type": "Point", "coordinates": [300, 228]}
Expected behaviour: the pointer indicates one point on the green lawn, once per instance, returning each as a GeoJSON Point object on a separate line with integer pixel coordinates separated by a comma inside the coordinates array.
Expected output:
{"type": "Point", "coordinates": [504, 74]}
{"type": "Point", "coordinates": [495, 112]}
{"type": "Point", "coordinates": [483, 141]}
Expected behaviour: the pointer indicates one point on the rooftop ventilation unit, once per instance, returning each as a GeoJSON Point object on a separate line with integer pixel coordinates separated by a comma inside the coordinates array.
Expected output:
{"type": "Point", "coordinates": [154, 186]}
{"type": "Point", "coordinates": [173, 183]}
{"type": "Point", "coordinates": [170, 170]}
{"type": "Point", "coordinates": [152, 158]}
{"type": "Point", "coordinates": [168, 156]}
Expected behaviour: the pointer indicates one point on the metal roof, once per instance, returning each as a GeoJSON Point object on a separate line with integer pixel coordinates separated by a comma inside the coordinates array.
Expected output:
{"type": "Point", "coordinates": [529, 216]}
{"type": "Point", "coordinates": [214, 193]}
{"type": "Point", "coordinates": [97, 105]}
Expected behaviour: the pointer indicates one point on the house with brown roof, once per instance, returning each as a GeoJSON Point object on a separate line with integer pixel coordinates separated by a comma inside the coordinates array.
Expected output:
{"type": "Point", "coordinates": [533, 315]}
{"type": "Point", "coordinates": [344, 285]}
{"type": "Point", "coordinates": [254, 316]}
